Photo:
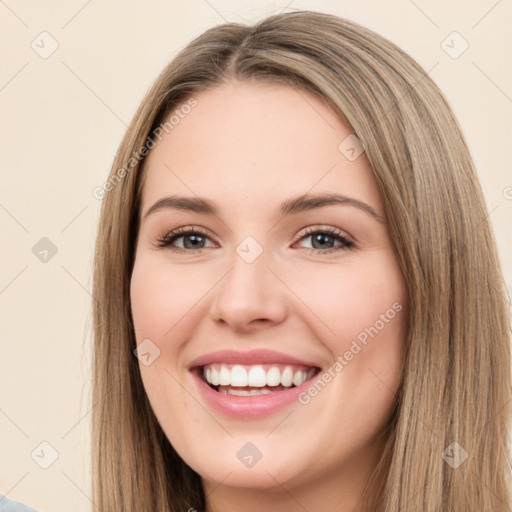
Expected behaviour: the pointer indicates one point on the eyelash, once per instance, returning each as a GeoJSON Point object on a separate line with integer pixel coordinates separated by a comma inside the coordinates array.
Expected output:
{"type": "Point", "coordinates": [167, 240]}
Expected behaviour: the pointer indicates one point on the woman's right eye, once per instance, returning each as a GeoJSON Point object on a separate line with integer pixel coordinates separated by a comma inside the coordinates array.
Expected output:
{"type": "Point", "coordinates": [192, 240]}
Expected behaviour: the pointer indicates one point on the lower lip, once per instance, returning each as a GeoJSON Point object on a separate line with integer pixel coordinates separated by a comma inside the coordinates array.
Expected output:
{"type": "Point", "coordinates": [248, 407]}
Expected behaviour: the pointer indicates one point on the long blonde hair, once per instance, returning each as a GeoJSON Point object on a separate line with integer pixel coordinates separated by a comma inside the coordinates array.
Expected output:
{"type": "Point", "coordinates": [456, 385]}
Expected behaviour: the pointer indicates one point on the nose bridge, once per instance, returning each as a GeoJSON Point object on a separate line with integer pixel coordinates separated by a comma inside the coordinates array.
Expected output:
{"type": "Point", "coordinates": [249, 291]}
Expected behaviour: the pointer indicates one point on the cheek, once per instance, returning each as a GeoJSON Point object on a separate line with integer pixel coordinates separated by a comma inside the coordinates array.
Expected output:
{"type": "Point", "coordinates": [363, 311]}
{"type": "Point", "coordinates": [354, 299]}
{"type": "Point", "coordinates": [162, 298]}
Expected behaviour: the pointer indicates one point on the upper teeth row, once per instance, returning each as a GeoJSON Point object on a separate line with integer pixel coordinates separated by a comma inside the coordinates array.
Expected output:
{"type": "Point", "coordinates": [256, 376]}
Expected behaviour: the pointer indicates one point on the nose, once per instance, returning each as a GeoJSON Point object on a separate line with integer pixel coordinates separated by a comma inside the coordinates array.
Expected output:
{"type": "Point", "coordinates": [249, 297]}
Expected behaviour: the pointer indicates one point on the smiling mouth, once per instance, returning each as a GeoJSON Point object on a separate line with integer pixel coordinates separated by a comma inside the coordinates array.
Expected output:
{"type": "Point", "coordinates": [254, 380]}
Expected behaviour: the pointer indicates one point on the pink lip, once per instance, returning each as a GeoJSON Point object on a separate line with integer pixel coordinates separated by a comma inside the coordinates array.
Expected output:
{"type": "Point", "coordinates": [248, 407]}
{"type": "Point", "coordinates": [251, 357]}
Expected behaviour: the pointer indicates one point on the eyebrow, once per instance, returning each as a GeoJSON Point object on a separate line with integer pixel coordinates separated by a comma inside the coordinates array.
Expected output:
{"type": "Point", "coordinates": [294, 205]}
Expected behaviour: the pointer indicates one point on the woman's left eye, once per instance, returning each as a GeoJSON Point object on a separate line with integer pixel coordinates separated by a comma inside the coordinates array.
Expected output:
{"type": "Point", "coordinates": [323, 240]}
{"type": "Point", "coordinates": [325, 237]}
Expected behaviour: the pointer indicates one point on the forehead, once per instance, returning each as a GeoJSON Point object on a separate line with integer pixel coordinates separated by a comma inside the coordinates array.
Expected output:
{"type": "Point", "coordinates": [248, 140]}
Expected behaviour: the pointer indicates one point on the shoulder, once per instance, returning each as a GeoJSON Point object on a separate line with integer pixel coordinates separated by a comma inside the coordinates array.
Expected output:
{"type": "Point", "coordinates": [7, 505]}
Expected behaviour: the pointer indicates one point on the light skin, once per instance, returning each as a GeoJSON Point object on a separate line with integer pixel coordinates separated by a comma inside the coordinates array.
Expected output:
{"type": "Point", "coordinates": [248, 147]}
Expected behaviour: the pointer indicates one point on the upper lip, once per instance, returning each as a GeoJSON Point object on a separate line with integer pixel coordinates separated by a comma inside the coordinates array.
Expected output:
{"type": "Point", "coordinates": [251, 357]}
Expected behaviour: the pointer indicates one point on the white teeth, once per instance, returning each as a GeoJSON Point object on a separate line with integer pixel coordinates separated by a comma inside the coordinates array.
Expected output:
{"type": "Point", "coordinates": [255, 376]}
{"type": "Point", "coordinates": [244, 392]}
{"type": "Point", "coordinates": [298, 378]}
{"type": "Point", "coordinates": [287, 377]}
{"type": "Point", "coordinates": [238, 392]}
{"type": "Point", "coordinates": [238, 376]}
{"type": "Point", "coordinates": [224, 376]}
{"type": "Point", "coordinates": [273, 376]}
{"type": "Point", "coordinates": [215, 376]}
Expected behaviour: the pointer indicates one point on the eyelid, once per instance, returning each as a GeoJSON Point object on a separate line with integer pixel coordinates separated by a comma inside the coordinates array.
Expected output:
{"type": "Point", "coordinates": [325, 228]}
{"type": "Point", "coordinates": [346, 241]}
{"type": "Point", "coordinates": [181, 232]}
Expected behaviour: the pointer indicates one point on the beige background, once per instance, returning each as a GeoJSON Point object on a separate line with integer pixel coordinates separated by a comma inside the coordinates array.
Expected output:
{"type": "Point", "coordinates": [61, 121]}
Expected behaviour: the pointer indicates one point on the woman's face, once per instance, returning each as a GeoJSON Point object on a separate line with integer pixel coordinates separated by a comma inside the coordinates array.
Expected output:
{"type": "Point", "coordinates": [293, 304]}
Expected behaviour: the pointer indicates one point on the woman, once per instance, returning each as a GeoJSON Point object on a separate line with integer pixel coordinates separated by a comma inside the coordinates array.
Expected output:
{"type": "Point", "coordinates": [299, 305]}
